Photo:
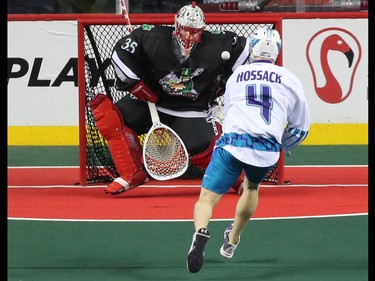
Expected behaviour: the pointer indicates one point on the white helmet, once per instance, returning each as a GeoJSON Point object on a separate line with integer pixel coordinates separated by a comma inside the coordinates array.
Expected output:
{"type": "Point", "coordinates": [190, 16]}
{"type": "Point", "coordinates": [265, 43]}
{"type": "Point", "coordinates": [189, 25]}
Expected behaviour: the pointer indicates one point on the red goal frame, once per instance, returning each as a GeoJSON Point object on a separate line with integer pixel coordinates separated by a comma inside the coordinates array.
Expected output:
{"type": "Point", "coordinates": [155, 19]}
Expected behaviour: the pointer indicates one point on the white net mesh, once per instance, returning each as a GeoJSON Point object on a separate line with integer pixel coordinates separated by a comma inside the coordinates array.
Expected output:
{"type": "Point", "coordinates": [98, 42]}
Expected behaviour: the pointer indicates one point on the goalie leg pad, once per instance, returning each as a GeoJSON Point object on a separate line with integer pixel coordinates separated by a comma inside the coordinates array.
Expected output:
{"type": "Point", "coordinates": [202, 159]}
{"type": "Point", "coordinates": [107, 117]}
{"type": "Point", "coordinates": [123, 142]}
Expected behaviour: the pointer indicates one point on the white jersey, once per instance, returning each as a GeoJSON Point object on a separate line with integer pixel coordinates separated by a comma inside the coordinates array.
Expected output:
{"type": "Point", "coordinates": [265, 109]}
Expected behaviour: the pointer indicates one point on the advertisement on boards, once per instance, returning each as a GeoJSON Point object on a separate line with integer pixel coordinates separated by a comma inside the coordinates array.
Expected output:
{"type": "Point", "coordinates": [329, 56]}
{"type": "Point", "coordinates": [42, 83]}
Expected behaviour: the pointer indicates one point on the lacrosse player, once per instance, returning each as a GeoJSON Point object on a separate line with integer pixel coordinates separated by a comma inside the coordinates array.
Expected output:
{"type": "Point", "coordinates": [265, 110]}
{"type": "Point", "coordinates": [181, 69]}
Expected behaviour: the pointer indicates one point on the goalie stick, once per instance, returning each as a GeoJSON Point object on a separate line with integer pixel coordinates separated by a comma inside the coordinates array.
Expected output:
{"type": "Point", "coordinates": [164, 153]}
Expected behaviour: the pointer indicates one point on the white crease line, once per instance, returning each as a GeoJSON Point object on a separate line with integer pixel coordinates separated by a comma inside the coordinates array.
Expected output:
{"type": "Point", "coordinates": [184, 220]}
{"type": "Point", "coordinates": [188, 186]}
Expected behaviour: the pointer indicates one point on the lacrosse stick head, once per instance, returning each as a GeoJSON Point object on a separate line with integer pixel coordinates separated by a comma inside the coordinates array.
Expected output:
{"type": "Point", "coordinates": [164, 154]}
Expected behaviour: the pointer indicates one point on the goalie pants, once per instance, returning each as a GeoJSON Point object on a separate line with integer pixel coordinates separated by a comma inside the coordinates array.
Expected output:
{"type": "Point", "coordinates": [197, 134]}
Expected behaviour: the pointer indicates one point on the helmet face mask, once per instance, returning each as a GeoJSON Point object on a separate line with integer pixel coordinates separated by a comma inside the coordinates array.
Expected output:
{"type": "Point", "coordinates": [265, 44]}
{"type": "Point", "coordinates": [189, 25]}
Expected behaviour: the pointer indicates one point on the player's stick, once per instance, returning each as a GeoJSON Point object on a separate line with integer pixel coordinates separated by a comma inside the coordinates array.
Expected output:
{"type": "Point", "coordinates": [216, 111]}
{"type": "Point", "coordinates": [125, 13]}
{"type": "Point", "coordinates": [164, 153]}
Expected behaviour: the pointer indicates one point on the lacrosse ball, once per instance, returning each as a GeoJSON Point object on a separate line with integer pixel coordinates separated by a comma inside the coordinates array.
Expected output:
{"type": "Point", "coordinates": [225, 55]}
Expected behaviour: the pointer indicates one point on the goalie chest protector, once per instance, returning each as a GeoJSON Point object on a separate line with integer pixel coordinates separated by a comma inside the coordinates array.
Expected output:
{"type": "Point", "coordinates": [181, 85]}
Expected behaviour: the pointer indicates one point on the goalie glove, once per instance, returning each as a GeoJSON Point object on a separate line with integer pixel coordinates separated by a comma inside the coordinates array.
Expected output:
{"type": "Point", "coordinates": [142, 92]}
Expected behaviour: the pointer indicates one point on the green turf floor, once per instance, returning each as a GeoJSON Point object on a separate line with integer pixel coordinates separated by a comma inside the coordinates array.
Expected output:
{"type": "Point", "coordinates": [308, 249]}
{"type": "Point", "coordinates": [302, 155]}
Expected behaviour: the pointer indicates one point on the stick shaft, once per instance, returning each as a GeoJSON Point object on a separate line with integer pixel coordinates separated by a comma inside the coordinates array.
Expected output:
{"type": "Point", "coordinates": [126, 15]}
{"type": "Point", "coordinates": [154, 113]}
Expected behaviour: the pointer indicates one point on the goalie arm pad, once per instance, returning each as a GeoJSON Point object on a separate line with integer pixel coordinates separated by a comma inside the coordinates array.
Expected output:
{"type": "Point", "coordinates": [143, 92]}
{"type": "Point", "coordinates": [218, 88]}
{"type": "Point", "coordinates": [125, 85]}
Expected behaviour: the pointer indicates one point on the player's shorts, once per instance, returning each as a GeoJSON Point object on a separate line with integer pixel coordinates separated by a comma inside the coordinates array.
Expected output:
{"type": "Point", "coordinates": [224, 169]}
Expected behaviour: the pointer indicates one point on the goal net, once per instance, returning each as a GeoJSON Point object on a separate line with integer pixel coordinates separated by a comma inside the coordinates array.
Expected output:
{"type": "Point", "coordinates": [96, 38]}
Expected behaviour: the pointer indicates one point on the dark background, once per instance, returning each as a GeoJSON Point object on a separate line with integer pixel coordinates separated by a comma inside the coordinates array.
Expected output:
{"type": "Point", "coordinates": [92, 6]}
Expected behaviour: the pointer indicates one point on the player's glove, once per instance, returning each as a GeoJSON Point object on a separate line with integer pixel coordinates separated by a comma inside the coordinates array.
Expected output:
{"type": "Point", "coordinates": [291, 138]}
{"type": "Point", "coordinates": [215, 114]}
{"type": "Point", "coordinates": [142, 92]}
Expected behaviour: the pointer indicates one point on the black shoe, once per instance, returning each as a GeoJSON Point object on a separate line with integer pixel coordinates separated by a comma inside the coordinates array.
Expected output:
{"type": "Point", "coordinates": [196, 252]}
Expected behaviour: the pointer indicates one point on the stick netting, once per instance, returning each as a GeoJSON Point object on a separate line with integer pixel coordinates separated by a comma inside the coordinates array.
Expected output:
{"type": "Point", "coordinates": [164, 154]}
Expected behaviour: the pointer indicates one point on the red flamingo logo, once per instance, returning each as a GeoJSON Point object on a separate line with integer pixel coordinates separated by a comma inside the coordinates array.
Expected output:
{"type": "Point", "coordinates": [332, 91]}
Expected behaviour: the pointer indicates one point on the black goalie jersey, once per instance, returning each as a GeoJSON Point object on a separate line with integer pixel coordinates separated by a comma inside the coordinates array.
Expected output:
{"type": "Point", "coordinates": [150, 54]}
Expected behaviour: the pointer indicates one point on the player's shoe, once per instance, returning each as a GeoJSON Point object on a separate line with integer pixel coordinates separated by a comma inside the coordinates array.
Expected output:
{"type": "Point", "coordinates": [119, 185]}
{"type": "Point", "coordinates": [227, 250]}
{"type": "Point", "coordinates": [196, 252]}
{"type": "Point", "coordinates": [238, 185]}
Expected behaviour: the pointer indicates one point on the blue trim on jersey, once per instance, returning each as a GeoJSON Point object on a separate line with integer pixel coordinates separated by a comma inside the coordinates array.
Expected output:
{"type": "Point", "coordinates": [248, 141]}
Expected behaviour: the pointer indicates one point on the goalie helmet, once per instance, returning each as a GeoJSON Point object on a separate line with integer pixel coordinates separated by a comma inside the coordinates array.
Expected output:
{"type": "Point", "coordinates": [266, 44]}
{"type": "Point", "coordinates": [189, 25]}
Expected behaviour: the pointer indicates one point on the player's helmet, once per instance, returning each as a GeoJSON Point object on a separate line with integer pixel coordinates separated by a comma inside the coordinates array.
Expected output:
{"type": "Point", "coordinates": [265, 43]}
{"type": "Point", "coordinates": [189, 25]}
